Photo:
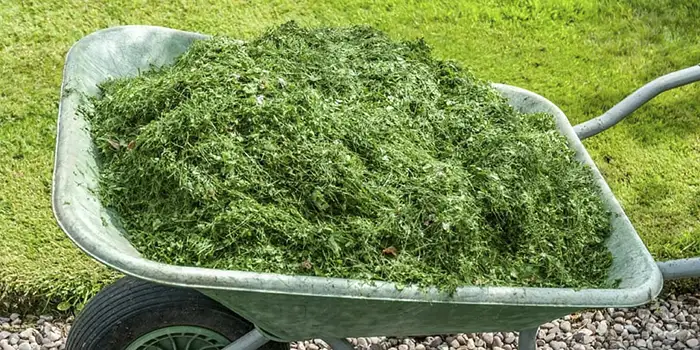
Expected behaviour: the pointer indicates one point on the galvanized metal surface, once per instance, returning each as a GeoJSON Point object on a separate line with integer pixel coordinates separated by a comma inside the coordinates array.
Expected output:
{"type": "Point", "coordinates": [296, 307]}
{"type": "Point", "coordinates": [681, 268]}
{"type": "Point", "coordinates": [249, 341]}
{"type": "Point", "coordinates": [527, 339]}
{"type": "Point", "coordinates": [618, 112]}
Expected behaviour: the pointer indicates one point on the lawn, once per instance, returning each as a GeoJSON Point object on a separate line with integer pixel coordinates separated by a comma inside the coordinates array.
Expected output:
{"type": "Point", "coordinates": [583, 55]}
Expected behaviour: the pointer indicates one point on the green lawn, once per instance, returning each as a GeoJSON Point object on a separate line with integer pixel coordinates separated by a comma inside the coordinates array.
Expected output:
{"type": "Point", "coordinates": [583, 55]}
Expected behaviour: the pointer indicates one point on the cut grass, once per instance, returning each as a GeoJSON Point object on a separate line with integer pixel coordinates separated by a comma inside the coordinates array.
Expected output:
{"type": "Point", "coordinates": [583, 55]}
{"type": "Point", "coordinates": [338, 152]}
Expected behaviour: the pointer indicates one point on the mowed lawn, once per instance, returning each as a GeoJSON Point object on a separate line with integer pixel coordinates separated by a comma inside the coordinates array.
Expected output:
{"type": "Point", "coordinates": [583, 55]}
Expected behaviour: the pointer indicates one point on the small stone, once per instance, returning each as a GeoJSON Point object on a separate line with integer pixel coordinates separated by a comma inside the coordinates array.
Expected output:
{"type": "Point", "coordinates": [682, 335]}
{"type": "Point", "coordinates": [620, 320]}
{"type": "Point", "coordinates": [565, 326]}
{"type": "Point", "coordinates": [679, 345]}
{"type": "Point", "coordinates": [470, 344]}
{"type": "Point", "coordinates": [362, 342]}
{"type": "Point", "coordinates": [631, 329]}
{"type": "Point", "coordinates": [692, 342]}
{"type": "Point", "coordinates": [6, 326]}
{"type": "Point", "coordinates": [455, 343]}
{"type": "Point", "coordinates": [16, 322]}
{"type": "Point", "coordinates": [549, 337]}
{"type": "Point", "coordinates": [507, 347]}
{"type": "Point", "coordinates": [680, 317]}
{"type": "Point", "coordinates": [462, 338]}
{"type": "Point", "coordinates": [643, 313]}
{"type": "Point", "coordinates": [591, 327]}
{"type": "Point", "coordinates": [479, 342]}
{"type": "Point", "coordinates": [14, 316]}
{"type": "Point", "coordinates": [598, 316]}
{"type": "Point", "coordinates": [547, 325]}
{"type": "Point", "coordinates": [420, 347]}
{"type": "Point", "coordinates": [374, 340]}
{"type": "Point", "coordinates": [640, 343]}
{"type": "Point", "coordinates": [488, 338]}
{"type": "Point", "coordinates": [558, 345]}
{"type": "Point", "coordinates": [602, 328]}
{"type": "Point", "coordinates": [497, 341]}
{"type": "Point", "coordinates": [509, 338]}
{"type": "Point", "coordinates": [618, 328]}
{"type": "Point", "coordinates": [310, 346]}
{"type": "Point", "coordinates": [436, 342]}
{"type": "Point", "coordinates": [13, 339]}
{"type": "Point", "coordinates": [24, 346]}
{"type": "Point", "coordinates": [27, 333]}
{"type": "Point", "coordinates": [578, 347]}
{"type": "Point", "coordinates": [403, 347]}
{"type": "Point", "coordinates": [4, 335]}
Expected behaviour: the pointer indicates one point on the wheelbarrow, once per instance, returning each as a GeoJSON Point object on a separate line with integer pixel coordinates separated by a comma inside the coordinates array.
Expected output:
{"type": "Point", "coordinates": [161, 306]}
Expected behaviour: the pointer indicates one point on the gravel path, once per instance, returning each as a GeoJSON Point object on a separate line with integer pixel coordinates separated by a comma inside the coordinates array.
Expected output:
{"type": "Point", "coordinates": [664, 324]}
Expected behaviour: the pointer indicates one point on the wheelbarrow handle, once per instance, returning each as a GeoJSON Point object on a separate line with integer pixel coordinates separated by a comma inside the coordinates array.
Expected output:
{"type": "Point", "coordinates": [636, 100]}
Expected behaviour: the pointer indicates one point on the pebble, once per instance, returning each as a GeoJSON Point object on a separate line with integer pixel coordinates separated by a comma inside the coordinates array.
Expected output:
{"type": "Point", "coordinates": [497, 342]}
{"type": "Point", "coordinates": [558, 345]}
{"type": "Point", "coordinates": [631, 329]}
{"type": "Point", "coordinates": [488, 338]}
{"type": "Point", "coordinates": [683, 335]}
{"type": "Point", "coordinates": [692, 342]}
{"type": "Point", "coordinates": [436, 342]}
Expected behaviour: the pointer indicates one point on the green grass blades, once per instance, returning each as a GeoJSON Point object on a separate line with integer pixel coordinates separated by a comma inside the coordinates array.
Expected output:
{"type": "Point", "coordinates": [340, 152]}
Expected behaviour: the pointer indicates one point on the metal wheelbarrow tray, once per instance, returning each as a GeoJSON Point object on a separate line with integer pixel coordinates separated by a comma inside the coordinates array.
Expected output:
{"type": "Point", "coordinates": [288, 308]}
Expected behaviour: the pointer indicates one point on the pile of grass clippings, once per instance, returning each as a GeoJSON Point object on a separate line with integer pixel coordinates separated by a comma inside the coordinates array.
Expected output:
{"type": "Point", "coordinates": [340, 152]}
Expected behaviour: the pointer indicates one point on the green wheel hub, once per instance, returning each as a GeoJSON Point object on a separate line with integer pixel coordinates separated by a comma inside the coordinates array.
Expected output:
{"type": "Point", "coordinates": [180, 338]}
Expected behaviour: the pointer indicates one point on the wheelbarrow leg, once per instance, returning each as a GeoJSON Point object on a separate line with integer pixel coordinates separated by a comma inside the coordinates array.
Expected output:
{"type": "Point", "coordinates": [249, 341]}
{"type": "Point", "coordinates": [339, 344]}
{"type": "Point", "coordinates": [528, 339]}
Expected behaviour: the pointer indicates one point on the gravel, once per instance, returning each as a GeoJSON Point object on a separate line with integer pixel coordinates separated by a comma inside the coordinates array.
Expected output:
{"type": "Point", "coordinates": [31, 332]}
{"type": "Point", "coordinates": [671, 323]}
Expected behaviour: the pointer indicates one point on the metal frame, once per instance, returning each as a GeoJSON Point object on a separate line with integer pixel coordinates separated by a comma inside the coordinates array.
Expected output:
{"type": "Point", "coordinates": [673, 269]}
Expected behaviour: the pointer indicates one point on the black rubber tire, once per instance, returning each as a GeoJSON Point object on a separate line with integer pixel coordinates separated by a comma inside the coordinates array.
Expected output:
{"type": "Point", "coordinates": [130, 308]}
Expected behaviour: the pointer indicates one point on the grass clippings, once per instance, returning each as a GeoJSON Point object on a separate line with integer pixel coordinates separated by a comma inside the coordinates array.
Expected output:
{"type": "Point", "coordinates": [339, 152]}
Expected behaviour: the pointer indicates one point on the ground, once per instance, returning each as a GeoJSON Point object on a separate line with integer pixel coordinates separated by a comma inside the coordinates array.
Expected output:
{"type": "Point", "coordinates": [583, 55]}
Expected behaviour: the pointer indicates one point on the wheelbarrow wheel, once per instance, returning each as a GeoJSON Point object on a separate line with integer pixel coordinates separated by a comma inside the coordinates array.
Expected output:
{"type": "Point", "coordinates": [133, 314]}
